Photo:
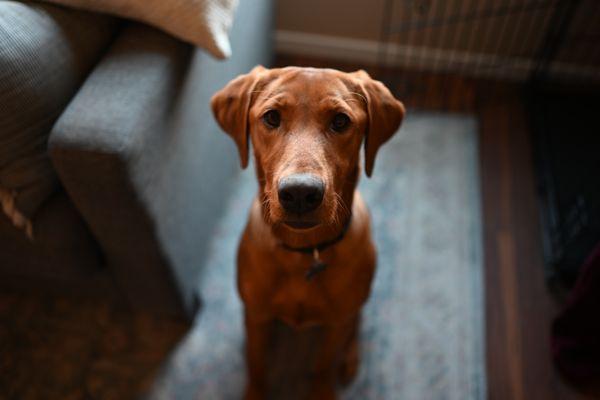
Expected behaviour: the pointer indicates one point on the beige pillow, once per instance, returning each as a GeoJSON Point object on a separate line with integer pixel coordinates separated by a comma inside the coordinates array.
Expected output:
{"type": "Point", "coordinates": [204, 23]}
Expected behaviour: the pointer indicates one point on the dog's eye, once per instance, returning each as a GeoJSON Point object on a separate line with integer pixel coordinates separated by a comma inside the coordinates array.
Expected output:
{"type": "Point", "coordinates": [272, 118]}
{"type": "Point", "coordinates": [340, 122]}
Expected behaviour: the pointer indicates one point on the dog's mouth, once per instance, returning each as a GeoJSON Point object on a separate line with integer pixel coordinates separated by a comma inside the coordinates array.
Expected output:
{"type": "Point", "coordinates": [300, 225]}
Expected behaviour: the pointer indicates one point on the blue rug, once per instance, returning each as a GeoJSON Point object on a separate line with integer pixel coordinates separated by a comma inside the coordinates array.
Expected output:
{"type": "Point", "coordinates": [422, 335]}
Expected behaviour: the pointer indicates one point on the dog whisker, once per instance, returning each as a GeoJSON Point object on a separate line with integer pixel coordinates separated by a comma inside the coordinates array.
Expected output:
{"type": "Point", "coordinates": [266, 205]}
{"type": "Point", "coordinates": [338, 217]}
{"type": "Point", "coordinates": [342, 204]}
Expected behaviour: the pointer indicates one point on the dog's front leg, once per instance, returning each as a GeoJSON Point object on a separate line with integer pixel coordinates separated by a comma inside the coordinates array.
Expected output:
{"type": "Point", "coordinates": [257, 336]}
{"type": "Point", "coordinates": [330, 350]}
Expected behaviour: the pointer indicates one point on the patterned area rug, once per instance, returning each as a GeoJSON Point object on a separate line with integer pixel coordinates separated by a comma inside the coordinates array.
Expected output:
{"type": "Point", "coordinates": [422, 335]}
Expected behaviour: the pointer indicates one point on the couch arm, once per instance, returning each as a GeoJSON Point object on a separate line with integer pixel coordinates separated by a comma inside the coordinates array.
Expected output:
{"type": "Point", "coordinates": [145, 163]}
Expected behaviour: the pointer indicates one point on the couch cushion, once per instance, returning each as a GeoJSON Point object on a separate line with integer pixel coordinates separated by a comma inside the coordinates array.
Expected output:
{"type": "Point", "coordinates": [46, 53]}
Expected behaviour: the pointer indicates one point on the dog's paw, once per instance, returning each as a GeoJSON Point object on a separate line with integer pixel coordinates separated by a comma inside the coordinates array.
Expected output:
{"type": "Point", "coordinates": [347, 371]}
{"type": "Point", "coordinates": [348, 367]}
{"type": "Point", "coordinates": [323, 392]}
{"type": "Point", "coordinates": [253, 392]}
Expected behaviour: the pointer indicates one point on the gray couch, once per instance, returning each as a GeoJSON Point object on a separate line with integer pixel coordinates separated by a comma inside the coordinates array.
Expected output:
{"type": "Point", "coordinates": [108, 142]}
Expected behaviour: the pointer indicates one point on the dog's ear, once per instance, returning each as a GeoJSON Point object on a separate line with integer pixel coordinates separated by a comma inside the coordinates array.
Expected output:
{"type": "Point", "coordinates": [385, 115]}
{"type": "Point", "coordinates": [231, 105]}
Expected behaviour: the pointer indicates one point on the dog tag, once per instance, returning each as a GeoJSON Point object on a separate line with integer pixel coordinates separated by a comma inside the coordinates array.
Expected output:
{"type": "Point", "coordinates": [316, 266]}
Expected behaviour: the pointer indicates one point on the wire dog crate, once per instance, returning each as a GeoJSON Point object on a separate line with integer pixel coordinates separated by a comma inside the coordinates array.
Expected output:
{"type": "Point", "coordinates": [522, 40]}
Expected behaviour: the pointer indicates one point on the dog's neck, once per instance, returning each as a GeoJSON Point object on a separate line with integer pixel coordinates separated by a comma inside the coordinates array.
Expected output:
{"type": "Point", "coordinates": [311, 238]}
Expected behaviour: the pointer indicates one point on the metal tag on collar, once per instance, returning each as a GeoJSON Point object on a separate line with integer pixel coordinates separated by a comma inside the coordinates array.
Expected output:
{"type": "Point", "coordinates": [316, 267]}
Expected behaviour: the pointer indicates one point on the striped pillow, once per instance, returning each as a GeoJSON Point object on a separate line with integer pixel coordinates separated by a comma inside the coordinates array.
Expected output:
{"type": "Point", "coordinates": [204, 23]}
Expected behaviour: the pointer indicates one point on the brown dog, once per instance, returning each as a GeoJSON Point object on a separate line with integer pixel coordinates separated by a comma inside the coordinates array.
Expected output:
{"type": "Point", "coordinates": [306, 255]}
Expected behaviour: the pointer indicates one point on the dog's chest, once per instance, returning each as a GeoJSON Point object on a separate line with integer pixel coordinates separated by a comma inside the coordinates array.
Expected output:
{"type": "Point", "coordinates": [302, 303]}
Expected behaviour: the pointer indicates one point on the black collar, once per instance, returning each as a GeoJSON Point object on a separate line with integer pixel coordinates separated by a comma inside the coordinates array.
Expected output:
{"type": "Point", "coordinates": [320, 246]}
{"type": "Point", "coordinates": [318, 265]}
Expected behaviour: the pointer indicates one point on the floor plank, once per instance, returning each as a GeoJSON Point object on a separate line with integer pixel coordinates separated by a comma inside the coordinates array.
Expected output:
{"type": "Point", "coordinates": [518, 309]}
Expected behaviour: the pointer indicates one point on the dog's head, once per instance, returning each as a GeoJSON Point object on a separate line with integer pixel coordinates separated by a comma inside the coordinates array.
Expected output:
{"type": "Point", "coordinates": [306, 126]}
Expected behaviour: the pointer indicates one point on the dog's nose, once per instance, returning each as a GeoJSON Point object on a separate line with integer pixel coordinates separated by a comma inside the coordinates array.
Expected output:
{"type": "Point", "coordinates": [300, 193]}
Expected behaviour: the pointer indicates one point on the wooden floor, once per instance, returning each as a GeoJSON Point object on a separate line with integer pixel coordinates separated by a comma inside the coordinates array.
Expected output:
{"type": "Point", "coordinates": [57, 347]}
{"type": "Point", "coordinates": [519, 308]}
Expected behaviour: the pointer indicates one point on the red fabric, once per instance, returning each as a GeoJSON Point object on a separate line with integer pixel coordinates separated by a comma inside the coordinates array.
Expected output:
{"type": "Point", "coordinates": [576, 331]}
